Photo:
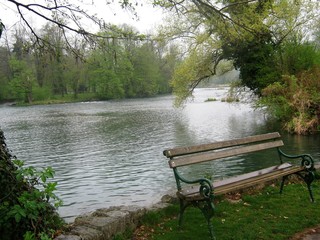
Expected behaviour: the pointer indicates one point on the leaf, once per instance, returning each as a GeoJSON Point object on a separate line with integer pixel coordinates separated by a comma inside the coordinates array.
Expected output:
{"type": "Point", "coordinates": [17, 162]}
{"type": "Point", "coordinates": [28, 236]}
{"type": "Point", "coordinates": [17, 217]}
{"type": "Point", "coordinates": [22, 212]}
{"type": "Point", "coordinates": [43, 178]}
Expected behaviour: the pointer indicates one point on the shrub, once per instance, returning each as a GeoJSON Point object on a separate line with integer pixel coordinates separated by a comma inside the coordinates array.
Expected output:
{"type": "Point", "coordinates": [27, 200]}
{"type": "Point", "coordinates": [296, 101]}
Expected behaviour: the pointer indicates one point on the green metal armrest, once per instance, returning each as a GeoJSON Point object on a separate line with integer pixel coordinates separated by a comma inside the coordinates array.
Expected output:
{"type": "Point", "coordinates": [306, 159]}
{"type": "Point", "coordinates": [206, 187]}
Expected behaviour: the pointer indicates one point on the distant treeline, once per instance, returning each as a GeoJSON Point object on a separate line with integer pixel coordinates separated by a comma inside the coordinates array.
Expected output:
{"type": "Point", "coordinates": [106, 69]}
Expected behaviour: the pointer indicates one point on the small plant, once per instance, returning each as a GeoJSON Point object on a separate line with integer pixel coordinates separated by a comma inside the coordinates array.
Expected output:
{"type": "Point", "coordinates": [28, 211]}
{"type": "Point", "coordinates": [211, 100]}
{"type": "Point", "coordinates": [230, 99]}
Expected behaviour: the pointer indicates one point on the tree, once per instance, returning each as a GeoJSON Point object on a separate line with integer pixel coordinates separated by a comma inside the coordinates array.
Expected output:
{"type": "Point", "coordinates": [5, 72]}
{"type": "Point", "coordinates": [272, 43]}
{"type": "Point", "coordinates": [256, 61]}
{"type": "Point", "coordinates": [146, 71]}
{"type": "Point", "coordinates": [71, 18]}
{"type": "Point", "coordinates": [169, 59]}
{"type": "Point", "coordinates": [21, 85]}
{"type": "Point", "coordinates": [103, 66]}
{"type": "Point", "coordinates": [249, 33]}
{"type": "Point", "coordinates": [22, 78]}
{"type": "Point", "coordinates": [56, 50]}
{"type": "Point", "coordinates": [74, 69]}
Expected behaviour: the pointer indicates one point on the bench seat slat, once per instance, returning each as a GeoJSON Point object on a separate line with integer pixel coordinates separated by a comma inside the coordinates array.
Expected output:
{"type": "Point", "coordinates": [188, 160]}
{"type": "Point", "coordinates": [267, 177]}
{"type": "Point", "coordinates": [174, 152]}
{"type": "Point", "coordinates": [242, 181]}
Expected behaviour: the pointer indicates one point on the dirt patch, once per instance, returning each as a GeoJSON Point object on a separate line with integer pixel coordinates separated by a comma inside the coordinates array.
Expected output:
{"type": "Point", "coordinates": [309, 231]}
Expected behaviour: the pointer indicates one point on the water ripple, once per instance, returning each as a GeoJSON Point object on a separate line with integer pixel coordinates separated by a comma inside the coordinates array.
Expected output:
{"type": "Point", "coordinates": [110, 153]}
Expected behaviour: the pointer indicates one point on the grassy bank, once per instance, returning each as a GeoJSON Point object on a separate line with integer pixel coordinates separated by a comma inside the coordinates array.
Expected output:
{"type": "Point", "coordinates": [58, 99]}
{"type": "Point", "coordinates": [262, 215]}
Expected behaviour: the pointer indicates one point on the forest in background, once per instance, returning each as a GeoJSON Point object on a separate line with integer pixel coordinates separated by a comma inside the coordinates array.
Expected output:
{"type": "Point", "coordinates": [116, 66]}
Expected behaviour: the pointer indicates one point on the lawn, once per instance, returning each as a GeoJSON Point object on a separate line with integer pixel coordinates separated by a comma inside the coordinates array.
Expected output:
{"type": "Point", "coordinates": [263, 215]}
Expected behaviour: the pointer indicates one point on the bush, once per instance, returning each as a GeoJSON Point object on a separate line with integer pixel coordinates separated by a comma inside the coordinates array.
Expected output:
{"type": "Point", "coordinates": [40, 94]}
{"type": "Point", "coordinates": [296, 101]}
{"type": "Point", "coordinates": [27, 200]}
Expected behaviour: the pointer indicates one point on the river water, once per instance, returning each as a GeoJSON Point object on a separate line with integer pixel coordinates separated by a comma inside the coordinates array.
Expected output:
{"type": "Point", "coordinates": [110, 153]}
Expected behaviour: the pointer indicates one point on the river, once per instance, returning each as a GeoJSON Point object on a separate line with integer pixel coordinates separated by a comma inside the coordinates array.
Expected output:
{"type": "Point", "coordinates": [110, 153]}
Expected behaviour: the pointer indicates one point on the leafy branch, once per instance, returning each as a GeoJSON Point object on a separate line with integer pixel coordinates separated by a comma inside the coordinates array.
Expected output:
{"type": "Point", "coordinates": [68, 18]}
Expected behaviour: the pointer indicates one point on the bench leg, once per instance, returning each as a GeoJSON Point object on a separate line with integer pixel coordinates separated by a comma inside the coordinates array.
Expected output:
{"type": "Point", "coordinates": [207, 208]}
{"type": "Point", "coordinates": [282, 183]}
{"type": "Point", "coordinates": [183, 206]}
{"type": "Point", "coordinates": [310, 192]}
{"type": "Point", "coordinates": [307, 178]}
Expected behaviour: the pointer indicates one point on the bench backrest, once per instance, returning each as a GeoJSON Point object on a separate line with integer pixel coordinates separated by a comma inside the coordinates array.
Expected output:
{"type": "Point", "coordinates": [183, 156]}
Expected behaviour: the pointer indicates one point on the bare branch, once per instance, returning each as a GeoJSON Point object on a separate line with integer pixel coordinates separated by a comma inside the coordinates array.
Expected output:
{"type": "Point", "coordinates": [30, 8]}
{"type": "Point", "coordinates": [68, 12]}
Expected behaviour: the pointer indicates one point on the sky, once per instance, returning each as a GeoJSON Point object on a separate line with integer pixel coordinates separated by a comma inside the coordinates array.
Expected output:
{"type": "Point", "coordinates": [149, 16]}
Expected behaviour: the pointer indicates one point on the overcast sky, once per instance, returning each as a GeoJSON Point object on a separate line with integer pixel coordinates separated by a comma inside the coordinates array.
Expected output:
{"type": "Point", "coordinates": [149, 16]}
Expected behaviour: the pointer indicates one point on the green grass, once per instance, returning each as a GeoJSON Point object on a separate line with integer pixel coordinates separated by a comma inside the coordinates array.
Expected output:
{"type": "Point", "coordinates": [264, 215]}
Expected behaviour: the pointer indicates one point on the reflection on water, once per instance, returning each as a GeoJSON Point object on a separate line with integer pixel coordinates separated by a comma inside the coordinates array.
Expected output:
{"type": "Point", "coordinates": [110, 153]}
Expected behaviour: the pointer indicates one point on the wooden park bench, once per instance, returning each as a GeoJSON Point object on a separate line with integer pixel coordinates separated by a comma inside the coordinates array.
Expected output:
{"type": "Point", "coordinates": [200, 192]}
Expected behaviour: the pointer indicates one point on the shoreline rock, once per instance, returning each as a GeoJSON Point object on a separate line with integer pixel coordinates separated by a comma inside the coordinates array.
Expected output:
{"type": "Point", "coordinates": [105, 223]}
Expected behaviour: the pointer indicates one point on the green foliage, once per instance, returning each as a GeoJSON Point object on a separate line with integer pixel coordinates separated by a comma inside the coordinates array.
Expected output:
{"type": "Point", "coordinates": [122, 64]}
{"type": "Point", "coordinates": [20, 86]}
{"type": "Point", "coordinates": [293, 98]}
{"type": "Point", "coordinates": [28, 203]}
{"type": "Point", "coordinates": [296, 101]}
{"type": "Point", "coordinates": [297, 57]}
{"type": "Point", "coordinates": [264, 40]}
{"type": "Point", "coordinates": [146, 74]}
{"type": "Point", "coordinates": [123, 236]}
{"type": "Point", "coordinates": [189, 73]}
{"type": "Point", "coordinates": [102, 72]}
{"type": "Point", "coordinates": [126, 70]}
{"type": "Point", "coordinates": [256, 62]}
{"type": "Point", "coordinates": [41, 93]}
{"type": "Point", "coordinates": [210, 100]}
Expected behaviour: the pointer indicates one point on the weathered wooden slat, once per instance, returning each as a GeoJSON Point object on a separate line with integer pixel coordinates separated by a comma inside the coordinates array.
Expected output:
{"type": "Point", "coordinates": [237, 180]}
{"type": "Point", "coordinates": [242, 181]}
{"type": "Point", "coordinates": [257, 180]}
{"type": "Point", "coordinates": [199, 158]}
{"type": "Point", "coordinates": [169, 153]}
{"type": "Point", "coordinates": [254, 174]}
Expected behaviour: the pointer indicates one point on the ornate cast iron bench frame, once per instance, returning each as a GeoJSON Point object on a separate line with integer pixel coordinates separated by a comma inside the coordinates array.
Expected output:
{"type": "Point", "coordinates": [200, 192]}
